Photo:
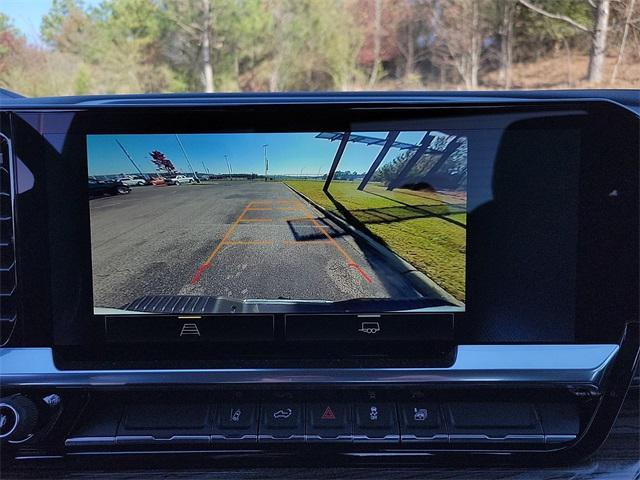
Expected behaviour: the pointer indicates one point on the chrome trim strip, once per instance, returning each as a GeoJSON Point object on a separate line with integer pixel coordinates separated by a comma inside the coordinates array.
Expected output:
{"type": "Point", "coordinates": [150, 439]}
{"type": "Point", "coordinates": [336, 439]}
{"type": "Point", "coordinates": [262, 438]}
{"type": "Point", "coordinates": [438, 437]}
{"type": "Point", "coordinates": [483, 438]}
{"type": "Point", "coordinates": [89, 441]}
{"type": "Point", "coordinates": [386, 439]}
{"type": "Point", "coordinates": [546, 364]}
{"type": "Point", "coordinates": [252, 438]}
{"type": "Point", "coordinates": [559, 438]}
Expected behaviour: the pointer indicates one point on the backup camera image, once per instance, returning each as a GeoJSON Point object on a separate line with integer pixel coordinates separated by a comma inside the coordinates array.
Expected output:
{"type": "Point", "coordinates": [279, 217]}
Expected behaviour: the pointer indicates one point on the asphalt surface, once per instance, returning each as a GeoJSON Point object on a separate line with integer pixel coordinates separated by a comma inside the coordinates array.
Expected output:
{"type": "Point", "coordinates": [237, 239]}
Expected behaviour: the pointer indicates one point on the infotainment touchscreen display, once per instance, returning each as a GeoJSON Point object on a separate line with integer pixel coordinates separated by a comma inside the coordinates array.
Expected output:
{"type": "Point", "coordinates": [319, 217]}
{"type": "Point", "coordinates": [332, 232]}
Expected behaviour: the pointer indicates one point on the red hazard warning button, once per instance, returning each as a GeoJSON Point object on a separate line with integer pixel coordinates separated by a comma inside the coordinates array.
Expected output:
{"type": "Point", "coordinates": [328, 415]}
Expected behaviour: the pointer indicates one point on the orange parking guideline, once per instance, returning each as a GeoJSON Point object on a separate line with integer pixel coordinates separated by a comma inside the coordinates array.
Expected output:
{"type": "Point", "coordinates": [301, 208]}
{"type": "Point", "coordinates": [227, 235]}
{"type": "Point", "coordinates": [350, 262]}
{"type": "Point", "coordinates": [249, 242]}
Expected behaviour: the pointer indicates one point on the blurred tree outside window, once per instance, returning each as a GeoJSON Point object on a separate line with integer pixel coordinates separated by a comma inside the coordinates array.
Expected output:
{"type": "Point", "coordinates": [142, 46]}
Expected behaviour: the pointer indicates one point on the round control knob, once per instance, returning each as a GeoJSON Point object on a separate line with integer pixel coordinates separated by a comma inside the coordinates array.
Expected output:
{"type": "Point", "coordinates": [18, 418]}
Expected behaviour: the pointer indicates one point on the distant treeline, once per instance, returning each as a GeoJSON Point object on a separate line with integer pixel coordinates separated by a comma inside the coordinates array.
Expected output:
{"type": "Point", "coordinates": [125, 46]}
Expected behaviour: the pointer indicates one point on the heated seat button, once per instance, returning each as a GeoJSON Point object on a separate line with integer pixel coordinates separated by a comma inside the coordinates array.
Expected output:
{"type": "Point", "coordinates": [282, 421]}
{"type": "Point", "coordinates": [420, 415]}
{"type": "Point", "coordinates": [376, 422]}
{"type": "Point", "coordinates": [421, 422]}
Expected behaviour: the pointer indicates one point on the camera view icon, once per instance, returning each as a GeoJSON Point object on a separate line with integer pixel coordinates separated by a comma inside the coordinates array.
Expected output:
{"type": "Point", "coordinates": [190, 329]}
{"type": "Point", "coordinates": [369, 327]}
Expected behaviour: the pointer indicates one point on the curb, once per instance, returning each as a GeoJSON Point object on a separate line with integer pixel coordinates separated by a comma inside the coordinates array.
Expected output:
{"type": "Point", "coordinates": [421, 282]}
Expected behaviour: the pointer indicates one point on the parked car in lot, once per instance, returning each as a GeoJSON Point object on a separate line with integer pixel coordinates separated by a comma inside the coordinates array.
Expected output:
{"type": "Point", "coordinates": [98, 188]}
{"type": "Point", "coordinates": [159, 181]}
{"type": "Point", "coordinates": [164, 180]}
{"type": "Point", "coordinates": [131, 180]}
{"type": "Point", "coordinates": [179, 179]}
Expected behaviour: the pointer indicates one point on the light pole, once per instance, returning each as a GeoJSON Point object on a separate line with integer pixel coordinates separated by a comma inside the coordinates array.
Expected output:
{"type": "Point", "coordinates": [266, 162]}
{"type": "Point", "coordinates": [226, 159]}
{"type": "Point", "coordinates": [131, 159]}
{"type": "Point", "coordinates": [186, 157]}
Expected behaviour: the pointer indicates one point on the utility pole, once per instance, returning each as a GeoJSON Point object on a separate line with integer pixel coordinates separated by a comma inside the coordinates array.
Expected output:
{"type": "Point", "coordinates": [130, 159]}
{"type": "Point", "coordinates": [266, 162]}
{"type": "Point", "coordinates": [184, 152]}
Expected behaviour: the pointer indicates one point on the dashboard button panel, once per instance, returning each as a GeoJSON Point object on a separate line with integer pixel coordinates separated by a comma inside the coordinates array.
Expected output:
{"type": "Point", "coordinates": [200, 421]}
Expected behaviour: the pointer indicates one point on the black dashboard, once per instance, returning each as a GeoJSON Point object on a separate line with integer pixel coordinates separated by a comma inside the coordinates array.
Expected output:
{"type": "Point", "coordinates": [454, 275]}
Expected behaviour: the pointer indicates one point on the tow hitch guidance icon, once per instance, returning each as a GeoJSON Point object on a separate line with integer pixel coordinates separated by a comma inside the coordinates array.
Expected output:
{"type": "Point", "coordinates": [369, 327]}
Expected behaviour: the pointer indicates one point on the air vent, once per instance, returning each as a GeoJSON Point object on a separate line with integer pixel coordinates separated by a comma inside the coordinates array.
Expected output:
{"type": "Point", "coordinates": [7, 248]}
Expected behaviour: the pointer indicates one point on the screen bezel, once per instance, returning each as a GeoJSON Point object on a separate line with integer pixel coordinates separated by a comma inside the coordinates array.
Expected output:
{"type": "Point", "coordinates": [66, 214]}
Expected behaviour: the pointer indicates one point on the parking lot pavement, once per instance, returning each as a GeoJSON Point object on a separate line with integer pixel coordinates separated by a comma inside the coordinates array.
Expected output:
{"type": "Point", "coordinates": [238, 239]}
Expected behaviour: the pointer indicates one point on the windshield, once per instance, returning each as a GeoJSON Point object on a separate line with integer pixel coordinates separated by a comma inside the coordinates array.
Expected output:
{"type": "Point", "coordinates": [78, 47]}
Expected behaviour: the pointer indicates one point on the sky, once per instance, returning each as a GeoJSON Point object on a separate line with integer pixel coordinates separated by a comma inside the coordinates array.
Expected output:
{"type": "Point", "coordinates": [288, 153]}
{"type": "Point", "coordinates": [26, 14]}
